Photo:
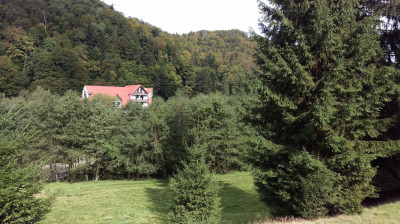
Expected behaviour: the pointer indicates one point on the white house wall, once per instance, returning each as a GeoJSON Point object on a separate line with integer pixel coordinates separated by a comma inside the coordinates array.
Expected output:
{"type": "Point", "coordinates": [85, 93]}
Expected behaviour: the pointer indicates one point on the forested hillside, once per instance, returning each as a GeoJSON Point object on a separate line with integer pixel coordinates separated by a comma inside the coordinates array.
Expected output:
{"type": "Point", "coordinates": [65, 44]}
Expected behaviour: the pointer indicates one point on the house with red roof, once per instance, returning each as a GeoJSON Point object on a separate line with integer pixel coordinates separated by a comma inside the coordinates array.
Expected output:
{"type": "Point", "coordinates": [123, 95]}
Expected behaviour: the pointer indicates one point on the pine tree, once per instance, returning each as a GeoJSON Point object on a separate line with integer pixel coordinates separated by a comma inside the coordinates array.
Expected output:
{"type": "Point", "coordinates": [196, 193]}
{"type": "Point", "coordinates": [221, 131]}
{"type": "Point", "coordinates": [18, 183]}
{"type": "Point", "coordinates": [321, 92]}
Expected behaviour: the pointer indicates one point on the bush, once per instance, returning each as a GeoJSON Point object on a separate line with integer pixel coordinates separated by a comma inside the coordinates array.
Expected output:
{"type": "Point", "coordinates": [196, 193]}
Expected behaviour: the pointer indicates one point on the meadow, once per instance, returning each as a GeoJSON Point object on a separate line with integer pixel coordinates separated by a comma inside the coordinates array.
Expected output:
{"type": "Point", "coordinates": [145, 201]}
{"type": "Point", "coordinates": [148, 201]}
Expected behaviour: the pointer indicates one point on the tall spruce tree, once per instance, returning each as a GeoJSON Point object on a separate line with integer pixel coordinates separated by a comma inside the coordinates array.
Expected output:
{"type": "Point", "coordinates": [387, 179]}
{"type": "Point", "coordinates": [321, 92]}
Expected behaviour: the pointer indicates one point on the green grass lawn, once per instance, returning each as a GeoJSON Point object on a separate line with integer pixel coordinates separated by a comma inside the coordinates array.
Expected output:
{"type": "Point", "coordinates": [388, 213]}
{"type": "Point", "coordinates": [146, 201]}
{"type": "Point", "coordinates": [384, 214]}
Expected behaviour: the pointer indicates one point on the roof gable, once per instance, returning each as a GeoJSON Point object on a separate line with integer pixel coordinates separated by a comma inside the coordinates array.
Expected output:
{"type": "Point", "coordinates": [132, 88]}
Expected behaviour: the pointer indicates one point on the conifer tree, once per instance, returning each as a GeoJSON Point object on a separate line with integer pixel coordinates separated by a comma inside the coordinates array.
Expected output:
{"type": "Point", "coordinates": [196, 193]}
{"type": "Point", "coordinates": [321, 92]}
{"type": "Point", "coordinates": [18, 183]}
{"type": "Point", "coordinates": [221, 131]}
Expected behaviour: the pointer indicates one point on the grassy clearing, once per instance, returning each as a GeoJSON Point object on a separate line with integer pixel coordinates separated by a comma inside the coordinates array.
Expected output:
{"type": "Point", "coordinates": [146, 201]}
{"type": "Point", "coordinates": [384, 214]}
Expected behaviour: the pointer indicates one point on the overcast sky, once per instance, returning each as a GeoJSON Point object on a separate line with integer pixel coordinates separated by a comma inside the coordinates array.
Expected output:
{"type": "Point", "coordinates": [183, 16]}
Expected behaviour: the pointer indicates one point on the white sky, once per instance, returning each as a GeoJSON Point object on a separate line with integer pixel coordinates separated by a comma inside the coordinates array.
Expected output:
{"type": "Point", "coordinates": [183, 16]}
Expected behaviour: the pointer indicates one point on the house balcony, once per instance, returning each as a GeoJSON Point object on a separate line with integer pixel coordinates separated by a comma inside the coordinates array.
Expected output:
{"type": "Point", "coordinates": [140, 94]}
{"type": "Point", "coordinates": [140, 100]}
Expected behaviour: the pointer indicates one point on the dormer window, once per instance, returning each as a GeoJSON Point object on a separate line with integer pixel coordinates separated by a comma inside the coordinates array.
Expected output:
{"type": "Point", "coordinates": [118, 104]}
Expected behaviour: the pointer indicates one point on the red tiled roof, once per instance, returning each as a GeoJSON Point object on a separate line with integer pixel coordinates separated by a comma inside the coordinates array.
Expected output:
{"type": "Point", "coordinates": [132, 88]}
{"type": "Point", "coordinates": [122, 92]}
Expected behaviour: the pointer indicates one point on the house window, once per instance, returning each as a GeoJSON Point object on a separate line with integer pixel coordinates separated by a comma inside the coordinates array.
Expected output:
{"type": "Point", "coordinates": [118, 104]}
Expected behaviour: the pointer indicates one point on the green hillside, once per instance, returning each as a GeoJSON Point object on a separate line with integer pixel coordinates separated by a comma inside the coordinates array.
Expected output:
{"type": "Point", "coordinates": [65, 44]}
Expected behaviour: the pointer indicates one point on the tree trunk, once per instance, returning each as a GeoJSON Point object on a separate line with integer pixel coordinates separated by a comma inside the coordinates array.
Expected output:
{"type": "Point", "coordinates": [70, 166]}
{"type": "Point", "coordinates": [25, 62]}
{"type": "Point", "coordinates": [44, 20]}
{"type": "Point", "coordinates": [87, 168]}
{"type": "Point", "coordinates": [97, 172]}
{"type": "Point", "coordinates": [56, 173]}
{"type": "Point", "coordinates": [51, 171]}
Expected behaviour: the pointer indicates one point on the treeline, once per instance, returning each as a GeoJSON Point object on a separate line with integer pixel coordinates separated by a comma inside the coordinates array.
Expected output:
{"type": "Point", "coordinates": [85, 140]}
{"type": "Point", "coordinates": [64, 44]}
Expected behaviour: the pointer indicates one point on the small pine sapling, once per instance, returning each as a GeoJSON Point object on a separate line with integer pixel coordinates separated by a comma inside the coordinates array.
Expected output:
{"type": "Point", "coordinates": [196, 193]}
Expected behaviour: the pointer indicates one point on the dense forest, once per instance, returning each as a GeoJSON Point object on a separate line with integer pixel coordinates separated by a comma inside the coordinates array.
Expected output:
{"type": "Point", "coordinates": [91, 140]}
{"type": "Point", "coordinates": [62, 45]}
{"type": "Point", "coordinates": [310, 106]}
